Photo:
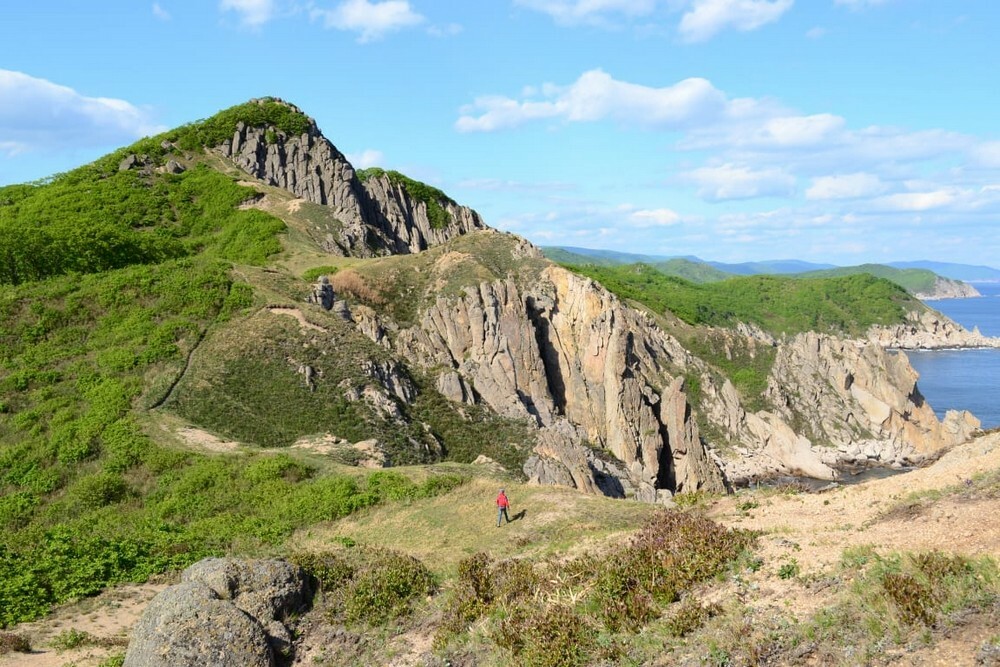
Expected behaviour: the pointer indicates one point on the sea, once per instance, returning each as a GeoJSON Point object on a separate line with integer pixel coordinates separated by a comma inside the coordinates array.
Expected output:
{"type": "Point", "coordinates": [964, 379]}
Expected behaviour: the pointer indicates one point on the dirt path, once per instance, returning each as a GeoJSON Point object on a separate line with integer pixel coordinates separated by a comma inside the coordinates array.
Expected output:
{"type": "Point", "coordinates": [109, 617]}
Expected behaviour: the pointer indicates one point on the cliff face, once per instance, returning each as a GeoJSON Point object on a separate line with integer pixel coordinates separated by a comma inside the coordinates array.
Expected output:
{"type": "Point", "coordinates": [378, 217]}
{"type": "Point", "coordinates": [946, 288]}
{"type": "Point", "coordinates": [595, 375]}
{"type": "Point", "coordinates": [929, 330]}
{"type": "Point", "coordinates": [608, 389]}
{"type": "Point", "coordinates": [588, 370]}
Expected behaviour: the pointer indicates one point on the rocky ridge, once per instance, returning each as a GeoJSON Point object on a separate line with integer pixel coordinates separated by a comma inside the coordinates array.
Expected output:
{"type": "Point", "coordinates": [379, 217]}
{"type": "Point", "coordinates": [929, 330]}
{"type": "Point", "coordinates": [946, 288]}
{"type": "Point", "coordinates": [595, 375]}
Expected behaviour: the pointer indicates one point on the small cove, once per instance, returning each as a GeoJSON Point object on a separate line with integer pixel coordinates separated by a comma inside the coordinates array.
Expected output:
{"type": "Point", "coordinates": [964, 379]}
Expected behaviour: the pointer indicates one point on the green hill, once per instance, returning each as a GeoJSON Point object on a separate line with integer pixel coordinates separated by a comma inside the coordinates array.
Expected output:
{"type": "Point", "coordinates": [137, 304]}
{"type": "Point", "coordinates": [779, 305]}
{"type": "Point", "coordinates": [914, 281]}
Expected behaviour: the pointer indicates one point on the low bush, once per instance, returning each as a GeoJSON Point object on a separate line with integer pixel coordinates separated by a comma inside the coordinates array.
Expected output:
{"type": "Point", "coordinates": [12, 642]}
{"type": "Point", "coordinates": [365, 585]}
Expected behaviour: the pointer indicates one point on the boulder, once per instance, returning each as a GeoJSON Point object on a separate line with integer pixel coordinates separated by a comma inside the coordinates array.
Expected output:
{"type": "Point", "coordinates": [225, 612]}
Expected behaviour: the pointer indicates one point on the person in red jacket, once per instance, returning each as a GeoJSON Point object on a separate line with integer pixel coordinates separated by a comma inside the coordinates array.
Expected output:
{"type": "Point", "coordinates": [502, 504]}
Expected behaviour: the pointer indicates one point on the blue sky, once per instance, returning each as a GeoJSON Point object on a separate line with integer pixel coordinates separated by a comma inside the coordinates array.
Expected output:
{"type": "Point", "coordinates": [841, 131]}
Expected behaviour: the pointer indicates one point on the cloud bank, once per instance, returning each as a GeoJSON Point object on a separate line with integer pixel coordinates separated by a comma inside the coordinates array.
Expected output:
{"type": "Point", "coordinates": [36, 114]}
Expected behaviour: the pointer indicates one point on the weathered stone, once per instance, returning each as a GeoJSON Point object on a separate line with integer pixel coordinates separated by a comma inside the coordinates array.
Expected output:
{"type": "Point", "coordinates": [928, 330]}
{"type": "Point", "coordinates": [377, 217]}
{"type": "Point", "coordinates": [189, 625]}
{"type": "Point", "coordinates": [225, 612]}
{"type": "Point", "coordinates": [174, 167]}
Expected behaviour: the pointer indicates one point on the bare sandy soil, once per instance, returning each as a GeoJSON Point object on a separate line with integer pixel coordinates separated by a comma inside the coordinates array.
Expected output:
{"type": "Point", "coordinates": [814, 529]}
{"type": "Point", "coordinates": [109, 616]}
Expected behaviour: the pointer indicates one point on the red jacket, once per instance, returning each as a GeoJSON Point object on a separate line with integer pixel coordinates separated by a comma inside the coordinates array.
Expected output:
{"type": "Point", "coordinates": [502, 500]}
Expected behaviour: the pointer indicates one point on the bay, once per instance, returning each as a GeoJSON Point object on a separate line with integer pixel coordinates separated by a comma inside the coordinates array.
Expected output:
{"type": "Point", "coordinates": [964, 379]}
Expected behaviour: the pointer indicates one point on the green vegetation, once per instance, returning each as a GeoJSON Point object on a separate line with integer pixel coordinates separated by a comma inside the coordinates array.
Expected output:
{"type": "Point", "coordinates": [266, 112]}
{"type": "Point", "coordinates": [418, 191]}
{"type": "Point", "coordinates": [891, 599]}
{"type": "Point", "coordinates": [848, 305]}
{"type": "Point", "coordinates": [913, 281]}
{"type": "Point", "coordinates": [365, 585]}
{"type": "Point", "coordinates": [578, 612]}
{"type": "Point", "coordinates": [97, 218]}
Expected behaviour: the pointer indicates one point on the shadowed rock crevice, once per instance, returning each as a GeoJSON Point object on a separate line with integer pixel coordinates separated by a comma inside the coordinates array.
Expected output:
{"type": "Point", "coordinates": [537, 310]}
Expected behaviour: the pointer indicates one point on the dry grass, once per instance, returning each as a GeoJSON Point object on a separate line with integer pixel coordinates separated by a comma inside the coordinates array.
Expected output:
{"type": "Point", "coordinates": [442, 531]}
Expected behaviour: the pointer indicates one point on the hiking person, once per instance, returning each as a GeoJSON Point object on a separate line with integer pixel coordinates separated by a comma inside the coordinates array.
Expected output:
{"type": "Point", "coordinates": [502, 504]}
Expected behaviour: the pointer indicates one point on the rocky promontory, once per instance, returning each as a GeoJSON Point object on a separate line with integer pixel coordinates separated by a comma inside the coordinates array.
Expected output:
{"type": "Point", "coordinates": [929, 330]}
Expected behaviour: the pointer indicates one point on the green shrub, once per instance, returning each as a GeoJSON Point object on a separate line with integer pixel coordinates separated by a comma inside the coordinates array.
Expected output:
{"type": "Point", "coordinates": [674, 551]}
{"type": "Point", "coordinates": [386, 588]}
{"type": "Point", "coordinates": [113, 660]}
{"type": "Point", "coordinates": [71, 638]}
{"type": "Point", "coordinates": [551, 637]}
{"type": "Point", "coordinates": [687, 616]}
{"type": "Point", "coordinates": [789, 570]}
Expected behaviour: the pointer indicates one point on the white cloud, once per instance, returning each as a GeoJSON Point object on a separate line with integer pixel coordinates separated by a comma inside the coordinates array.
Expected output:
{"type": "Point", "coordinates": [917, 201]}
{"type": "Point", "coordinates": [253, 13]}
{"type": "Point", "coordinates": [589, 11]}
{"type": "Point", "coordinates": [815, 33]}
{"type": "Point", "coordinates": [705, 18]}
{"type": "Point", "coordinates": [730, 181]}
{"type": "Point", "coordinates": [365, 159]}
{"type": "Point", "coordinates": [988, 154]}
{"type": "Point", "coordinates": [160, 13]}
{"type": "Point", "coordinates": [657, 217]}
{"type": "Point", "coordinates": [845, 186]}
{"type": "Point", "coordinates": [800, 131]}
{"type": "Point", "coordinates": [371, 20]}
{"type": "Point", "coordinates": [598, 96]}
{"type": "Point", "coordinates": [36, 114]}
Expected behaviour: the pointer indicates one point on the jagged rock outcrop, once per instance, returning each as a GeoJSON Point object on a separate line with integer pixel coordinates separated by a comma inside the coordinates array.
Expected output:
{"type": "Point", "coordinates": [859, 400]}
{"type": "Point", "coordinates": [946, 288]}
{"type": "Point", "coordinates": [584, 368]}
{"type": "Point", "coordinates": [929, 330]}
{"type": "Point", "coordinates": [225, 613]}
{"type": "Point", "coordinates": [378, 217]}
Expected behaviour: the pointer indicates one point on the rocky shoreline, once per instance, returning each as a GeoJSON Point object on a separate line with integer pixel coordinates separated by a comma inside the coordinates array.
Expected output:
{"type": "Point", "coordinates": [929, 330]}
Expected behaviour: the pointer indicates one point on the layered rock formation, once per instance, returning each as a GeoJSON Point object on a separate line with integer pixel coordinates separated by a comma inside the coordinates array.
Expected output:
{"type": "Point", "coordinates": [604, 385]}
{"type": "Point", "coordinates": [928, 330]}
{"type": "Point", "coordinates": [585, 368]}
{"type": "Point", "coordinates": [378, 217]}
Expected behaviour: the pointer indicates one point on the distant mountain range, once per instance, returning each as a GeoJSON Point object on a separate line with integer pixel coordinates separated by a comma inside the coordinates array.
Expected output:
{"type": "Point", "coordinates": [966, 272]}
{"type": "Point", "coordinates": [925, 278]}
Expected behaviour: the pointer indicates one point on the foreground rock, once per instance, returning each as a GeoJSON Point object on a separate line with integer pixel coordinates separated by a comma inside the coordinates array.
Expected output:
{"type": "Point", "coordinates": [224, 613]}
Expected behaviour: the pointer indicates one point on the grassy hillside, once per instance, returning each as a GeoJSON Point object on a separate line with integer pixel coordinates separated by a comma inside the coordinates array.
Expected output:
{"type": "Point", "coordinates": [914, 281]}
{"type": "Point", "coordinates": [130, 295]}
{"type": "Point", "coordinates": [779, 305]}
{"type": "Point", "coordinates": [693, 271]}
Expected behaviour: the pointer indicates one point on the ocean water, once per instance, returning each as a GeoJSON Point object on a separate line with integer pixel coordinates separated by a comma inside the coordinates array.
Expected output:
{"type": "Point", "coordinates": [965, 379]}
